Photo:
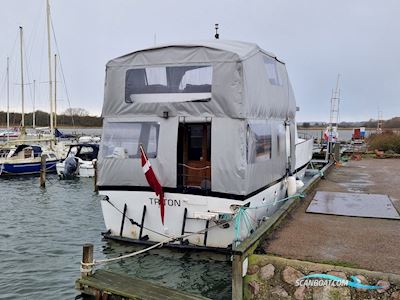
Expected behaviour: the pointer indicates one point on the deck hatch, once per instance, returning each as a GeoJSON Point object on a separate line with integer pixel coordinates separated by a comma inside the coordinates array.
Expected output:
{"type": "Point", "coordinates": [353, 204]}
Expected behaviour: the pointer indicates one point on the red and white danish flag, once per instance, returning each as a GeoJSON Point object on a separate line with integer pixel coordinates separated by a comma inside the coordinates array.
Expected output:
{"type": "Point", "coordinates": [152, 180]}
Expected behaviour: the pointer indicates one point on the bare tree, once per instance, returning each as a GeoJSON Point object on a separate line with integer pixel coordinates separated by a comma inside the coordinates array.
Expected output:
{"type": "Point", "coordinates": [76, 111]}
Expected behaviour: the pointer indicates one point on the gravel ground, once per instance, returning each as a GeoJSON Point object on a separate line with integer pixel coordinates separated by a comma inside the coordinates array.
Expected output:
{"type": "Point", "coordinates": [368, 243]}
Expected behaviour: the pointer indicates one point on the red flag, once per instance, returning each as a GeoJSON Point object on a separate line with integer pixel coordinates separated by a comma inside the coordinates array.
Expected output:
{"type": "Point", "coordinates": [326, 135]}
{"type": "Point", "coordinates": [152, 180]}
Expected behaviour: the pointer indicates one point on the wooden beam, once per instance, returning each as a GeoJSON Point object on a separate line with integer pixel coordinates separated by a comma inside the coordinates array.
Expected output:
{"type": "Point", "coordinates": [117, 285]}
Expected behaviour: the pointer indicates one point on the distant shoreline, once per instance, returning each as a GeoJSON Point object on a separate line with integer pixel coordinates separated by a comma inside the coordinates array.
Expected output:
{"type": "Point", "coordinates": [345, 128]}
{"type": "Point", "coordinates": [4, 126]}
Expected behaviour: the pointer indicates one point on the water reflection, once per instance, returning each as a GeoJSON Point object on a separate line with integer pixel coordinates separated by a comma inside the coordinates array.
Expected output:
{"type": "Point", "coordinates": [204, 273]}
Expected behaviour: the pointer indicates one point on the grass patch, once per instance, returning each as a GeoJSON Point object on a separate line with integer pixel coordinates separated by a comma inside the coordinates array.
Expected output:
{"type": "Point", "coordinates": [340, 263]}
{"type": "Point", "coordinates": [387, 141]}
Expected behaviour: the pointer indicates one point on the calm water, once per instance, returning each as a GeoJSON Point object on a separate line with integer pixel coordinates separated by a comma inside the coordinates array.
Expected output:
{"type": "Point", "coordinates": [42, 232]}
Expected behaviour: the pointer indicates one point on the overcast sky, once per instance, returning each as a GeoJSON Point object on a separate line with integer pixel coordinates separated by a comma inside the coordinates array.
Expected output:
{"type": "Point", "coordinates": [317, 39]}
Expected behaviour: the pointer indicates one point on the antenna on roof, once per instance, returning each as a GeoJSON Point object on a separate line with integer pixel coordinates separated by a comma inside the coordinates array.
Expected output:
{"type": "Point", "coordinates": [380, 122]}
{"type": "Point", "coordinates": [216, 31]}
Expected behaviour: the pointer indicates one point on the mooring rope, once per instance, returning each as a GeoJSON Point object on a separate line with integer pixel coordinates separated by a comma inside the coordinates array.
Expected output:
{"type": "Point", "coordinates": [104, 261]}
{"type": "Point", "coordinates": [242, 214]}
{"type": "Point", "coordinates": [171, 239]}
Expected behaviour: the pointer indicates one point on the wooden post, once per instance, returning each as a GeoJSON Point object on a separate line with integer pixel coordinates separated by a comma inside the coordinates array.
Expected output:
{"type": "Point", "coordinates": [96, 188]}
{"type": "Point", "coordinates": [87, 257]}
{"type": "Point", "coordinates": [237, 277]}
{"type": "Point", "coordinates": [43, 171]}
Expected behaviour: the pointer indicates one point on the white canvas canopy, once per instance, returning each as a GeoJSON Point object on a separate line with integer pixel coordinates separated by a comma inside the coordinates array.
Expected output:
{"type": "Point", "coordinates": [242, 90]}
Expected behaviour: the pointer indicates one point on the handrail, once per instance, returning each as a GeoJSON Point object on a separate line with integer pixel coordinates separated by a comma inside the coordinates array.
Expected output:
{"type": "Point", "coordinates": [194, 168]}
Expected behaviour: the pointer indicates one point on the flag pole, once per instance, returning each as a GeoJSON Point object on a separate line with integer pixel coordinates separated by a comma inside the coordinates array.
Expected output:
{"type": "Point", "coordinates": [152, 180]}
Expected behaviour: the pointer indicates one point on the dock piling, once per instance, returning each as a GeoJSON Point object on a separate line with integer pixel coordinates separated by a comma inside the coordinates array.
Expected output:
{"type": "Point", "coordinates": [237, 277]}
{"type": "Point", "coordinates": [43, 171]}
{"type": "Point", "coordinates": [87, 257]}
{"type": "Point", "coordinates": [96, 188]}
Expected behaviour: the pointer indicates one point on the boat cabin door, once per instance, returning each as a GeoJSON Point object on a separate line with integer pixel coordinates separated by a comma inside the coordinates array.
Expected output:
{"type": "Point", "coordinates": [194, 155]}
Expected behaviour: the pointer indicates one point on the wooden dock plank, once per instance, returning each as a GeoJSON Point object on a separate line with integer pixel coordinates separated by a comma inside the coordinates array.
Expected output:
{"type": "Point", "coordinates": [129, 287]}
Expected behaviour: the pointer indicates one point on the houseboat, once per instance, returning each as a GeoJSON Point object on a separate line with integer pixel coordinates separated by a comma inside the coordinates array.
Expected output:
{"type": "Point", "coordinates": [216, 122]}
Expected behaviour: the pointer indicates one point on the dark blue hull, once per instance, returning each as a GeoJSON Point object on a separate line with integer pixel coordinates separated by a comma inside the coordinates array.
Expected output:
{"type": "Point", "coordinates": [9, 169]}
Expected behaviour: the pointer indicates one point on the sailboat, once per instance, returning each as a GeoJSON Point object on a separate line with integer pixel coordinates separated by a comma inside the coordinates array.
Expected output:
{"type": "Point", "coordinates": [24, 158]}
{"type": "Point", "coordinates": [8, 133]}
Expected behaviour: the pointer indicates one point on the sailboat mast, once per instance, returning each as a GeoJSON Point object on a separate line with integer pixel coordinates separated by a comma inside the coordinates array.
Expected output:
{"type": "Point", "coordinates": [55, 90]}
{"type": "Point", "coordinates": [34, 100]}
{"type": "Point", "coordinates": [8, 99]}
{"type": "Point", "coordinates": [49, 58]}
{"type": "Point", "coordinates": [22, 79]}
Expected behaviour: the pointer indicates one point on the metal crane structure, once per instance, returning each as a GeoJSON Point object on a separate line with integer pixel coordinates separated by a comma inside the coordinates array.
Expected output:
{"type": "Point", "coordinates": [334, 112]}
{"type": "Point", "coordinates": [332, 130]}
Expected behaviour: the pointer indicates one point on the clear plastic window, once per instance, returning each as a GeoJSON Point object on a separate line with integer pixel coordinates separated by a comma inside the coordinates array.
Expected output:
{"type": "Point", "coordinates": [259, 141]}
{"type": "Point", "coordinates": [155, 76]}
{"type": "Point", "coordinates": [271, 69]}
{"type": "Point", "coordinates": [195, 142]}
{"type": "Point", "coordinates": [172, 83]}
{"type": "Point", "coordinates": [86, 150]}
{"type": "Point", "coordinates": [4, 152]}
{"type": "Point", "coordinates": [122, 139]}
{"type": "Point", "coordinates": [281, 138]}
{"type": "Point", "coordinates": [28, 152]}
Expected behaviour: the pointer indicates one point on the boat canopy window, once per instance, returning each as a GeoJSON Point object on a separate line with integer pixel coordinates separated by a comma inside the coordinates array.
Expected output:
{"type": "Point", "coordinates": [281, 139]}
{"type": "Point", "coordinates": [271, 69]}
{"type": "Point", "coordinates": [4, 153]}
{"type": "Point", "coordinates": [37, 151]}
{"type": "Point", "coordinates": [168, 84]}
{"type": "Point", "coordinates": [87, 153]}
{"type": "Point", "coordinates": [259, 141]}
{"type": "Point", "coordinates": [28, 152]}
{"type": "Point", "coordinates": [122, 139]}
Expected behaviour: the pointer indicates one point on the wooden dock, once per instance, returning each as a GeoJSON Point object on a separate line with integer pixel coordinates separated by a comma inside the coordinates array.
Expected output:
{"type": "Point", "coordinates": [108, 285]}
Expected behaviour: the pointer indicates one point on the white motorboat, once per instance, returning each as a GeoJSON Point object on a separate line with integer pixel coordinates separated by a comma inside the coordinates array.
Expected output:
{"type": "Point", "coordinates": [85, 155]}
{"type": "Point", "coordinates": [9, 133]}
